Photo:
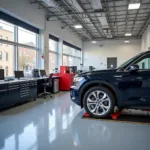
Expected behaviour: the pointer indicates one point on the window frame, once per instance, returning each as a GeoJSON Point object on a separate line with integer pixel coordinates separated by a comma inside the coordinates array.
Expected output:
{"type": "Point", "coordinates": [51, 52]}
{"type": "Point", "coordinates": [73, 56]}
{"type": "Point", "coordinates": [27, 52]}
{"type": "Point", "coordinates": [15, 43]}
{"type": "Point", "coordinates": [51, 37]}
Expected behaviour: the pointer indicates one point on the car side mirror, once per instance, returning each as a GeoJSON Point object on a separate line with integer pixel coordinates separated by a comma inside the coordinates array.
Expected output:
{"type": "Point", "coordinates": [134, 68]}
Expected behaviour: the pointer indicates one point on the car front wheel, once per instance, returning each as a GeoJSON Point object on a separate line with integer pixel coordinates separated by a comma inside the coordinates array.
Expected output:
{"type": "Point", "coordinates": [99, 102]}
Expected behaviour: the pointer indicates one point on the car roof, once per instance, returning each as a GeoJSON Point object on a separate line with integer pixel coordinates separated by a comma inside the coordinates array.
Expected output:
{"type": "Point", "coordinates": [145, 52]}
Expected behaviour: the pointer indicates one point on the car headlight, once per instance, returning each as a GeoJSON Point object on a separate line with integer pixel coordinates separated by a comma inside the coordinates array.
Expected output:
{"type": "Point", "coordinates": [78, 79]}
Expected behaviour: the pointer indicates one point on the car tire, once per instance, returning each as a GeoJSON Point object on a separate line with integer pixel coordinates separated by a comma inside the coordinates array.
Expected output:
{"type": "Point", "coordinates": [97, 105]}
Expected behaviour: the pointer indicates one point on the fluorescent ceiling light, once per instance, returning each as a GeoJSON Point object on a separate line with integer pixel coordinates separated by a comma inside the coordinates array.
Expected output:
{"type": "Point", "coordinates": [127, 41]}
{"type": "Point", "coordinates": [128, 34]}
{"type": "Point", "coordinates": [93, 42]}
{"type": "Point", "coordinates": [78, 26]}
{"type": "Point", "coordinates": [134, 6]}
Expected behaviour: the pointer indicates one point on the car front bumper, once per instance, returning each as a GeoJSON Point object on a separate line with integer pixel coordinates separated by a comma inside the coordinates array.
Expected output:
{"type": "Point", "coordinates": [74, 94]}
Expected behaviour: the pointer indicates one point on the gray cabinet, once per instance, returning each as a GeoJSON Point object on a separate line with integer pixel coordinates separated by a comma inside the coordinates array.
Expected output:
{"type": "Point", "coordinates": [3, 95]}
{"type": "Point", "coordinates": [13, 93]}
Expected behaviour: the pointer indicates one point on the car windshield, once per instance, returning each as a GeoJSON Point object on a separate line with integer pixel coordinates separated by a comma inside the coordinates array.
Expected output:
{"type": "Point", "coordinates": [128, 61]}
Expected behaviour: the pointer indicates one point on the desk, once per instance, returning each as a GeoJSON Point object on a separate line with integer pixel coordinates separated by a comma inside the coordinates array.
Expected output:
{"type": "Point", "coordinates": [18, 91]}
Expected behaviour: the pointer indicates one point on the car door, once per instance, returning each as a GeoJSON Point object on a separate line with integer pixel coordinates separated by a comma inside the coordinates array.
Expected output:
{"type": "Point", "coordinates": [134, 87]}
{"type": "Point", "coordinates": [143, 75]}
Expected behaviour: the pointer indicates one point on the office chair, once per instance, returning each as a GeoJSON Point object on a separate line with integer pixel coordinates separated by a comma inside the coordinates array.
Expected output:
{"type": "Point", "coordinates": [48, 83]}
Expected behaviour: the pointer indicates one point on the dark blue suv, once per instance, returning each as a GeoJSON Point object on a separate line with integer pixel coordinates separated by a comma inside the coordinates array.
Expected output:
{"type": "Point", "coordinates": [128, 86]}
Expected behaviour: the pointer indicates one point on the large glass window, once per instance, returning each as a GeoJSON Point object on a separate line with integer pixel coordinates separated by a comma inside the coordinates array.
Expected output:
{"type": "Point", "coordinates": [65, 60]}
{"type": "Point", "coordinates": [70, 61]}
{"type": "Point", "coordinates": [26, 37]}
{"type": "Point", "coordinates": [6, 31]}
{"type": "Point", "coordinates": [52, 62]}
{"type": "Point", "coordinates": [53, 55]}
{"type": "Point", "coordinates": [53, 45]}
{"type": "Point", "coordinates": [27, 59]}
{"type": "Point", "coordinates": [7, 65]}
{"type": "Point", "coordinates": [71, 56]}
{"type": "Point", "coordinates": [17, 56]}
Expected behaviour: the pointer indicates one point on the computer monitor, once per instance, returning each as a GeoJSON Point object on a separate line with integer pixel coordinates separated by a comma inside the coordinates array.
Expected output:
{"type": "Point", "coordinates": [42, 73]}
{"type": "Point", "coordinates": [74, 69]}
{"type": "Point", "coordinates": [2, 74]}
{"type": "Point", "coordinates": [19, 74]}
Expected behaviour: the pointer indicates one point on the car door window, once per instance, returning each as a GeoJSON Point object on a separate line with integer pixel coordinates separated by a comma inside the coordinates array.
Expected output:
{"type": "Point", "coordinates": [144, 64]}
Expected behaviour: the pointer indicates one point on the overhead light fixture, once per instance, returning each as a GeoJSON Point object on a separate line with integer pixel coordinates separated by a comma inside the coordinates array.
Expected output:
{"type": "Point", "coordinates": [134, 6]}
{"type": "Point", "coordinates": [93, 42]}
{"type": "Point", "coordinates": [128, 34]}
{"type": "Point", "coordinates": [127, 41]}
{"type": "Point", "coordinates": [78, 26]}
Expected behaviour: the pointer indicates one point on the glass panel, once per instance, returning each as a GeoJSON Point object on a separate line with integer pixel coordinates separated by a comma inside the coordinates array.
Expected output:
{"type": "Point", "coordinates": [6, 31]}
{"type": "Point", "coordinates": [144, 64]}
{"type": "Point", "coordinates": [52, 62]}
{"type": "Point", "coordinates": [78, 53]}
{"type": "Point", "coordinates": [27, 59]}
{"type": "Point", "coordinates": [65, 49]}
{"type": "Point", "coordinates": [26, 37]}
{"type": "Point", "coordinates": [68, 50]}
{"type": "Point", "coordinates": [65, 63]}
{"type": "Point", "coordinates": [70, 61]}
{"type": "Point", "coordinates": [8, 65]}
{"type": "Point", "coordinates": [53, 45]}
{"type": "Point", "coordinates": [77, 63]}
{"type": "Point", "coordinates": [72, 51]}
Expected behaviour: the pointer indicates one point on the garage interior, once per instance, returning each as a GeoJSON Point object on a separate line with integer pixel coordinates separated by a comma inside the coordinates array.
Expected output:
{"type": "Point", "coordinates": [53, 34]}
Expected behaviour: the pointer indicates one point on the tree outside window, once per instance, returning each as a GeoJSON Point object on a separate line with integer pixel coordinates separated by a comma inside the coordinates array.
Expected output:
{"type": "Point", "coordinates": [27, 59]}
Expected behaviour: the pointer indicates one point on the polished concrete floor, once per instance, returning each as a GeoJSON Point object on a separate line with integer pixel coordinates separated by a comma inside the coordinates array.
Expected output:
{"type": "Point", "coordinates": [56, 124]}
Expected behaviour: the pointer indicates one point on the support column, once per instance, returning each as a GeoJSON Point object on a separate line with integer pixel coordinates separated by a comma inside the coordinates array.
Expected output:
{"type": "Point", "coordinates": [41, 50]}
{"type": "Point", "coordinates": [60, 53]}
{"type": "Point", "coordinates": [44, 50]}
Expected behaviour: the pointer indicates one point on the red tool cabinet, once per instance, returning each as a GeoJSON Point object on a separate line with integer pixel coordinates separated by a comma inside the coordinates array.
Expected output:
{"type": "Point", "coordinates": [66, 78]}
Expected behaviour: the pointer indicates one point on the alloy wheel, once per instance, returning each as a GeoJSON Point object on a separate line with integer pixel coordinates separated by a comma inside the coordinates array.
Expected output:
{"type": "Point", "coordinates": [98, 102]}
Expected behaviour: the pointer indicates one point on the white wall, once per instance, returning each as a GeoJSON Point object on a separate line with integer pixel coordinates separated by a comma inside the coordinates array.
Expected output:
{"type": "Point", "coordinates": [65, 34]}
{"type": "Point", "coordinates": [23, 10]}
{"type": "Point", "coordinates": [146, 39]}
{"type": "Point", "coordinates": [96, 56]}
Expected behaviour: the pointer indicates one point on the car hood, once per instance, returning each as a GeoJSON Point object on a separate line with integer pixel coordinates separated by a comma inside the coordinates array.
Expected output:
{"type": "Point", "coordinates": [97, 72]}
